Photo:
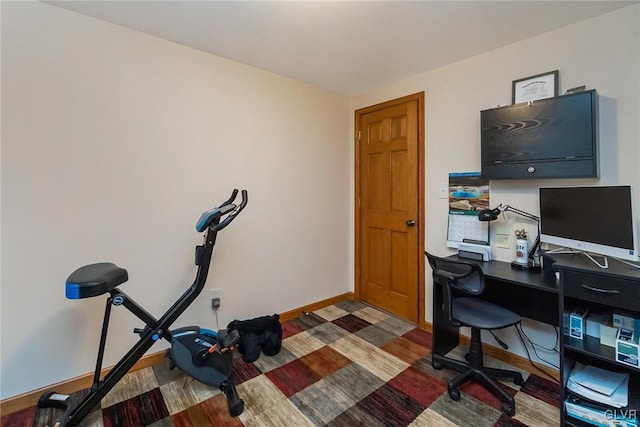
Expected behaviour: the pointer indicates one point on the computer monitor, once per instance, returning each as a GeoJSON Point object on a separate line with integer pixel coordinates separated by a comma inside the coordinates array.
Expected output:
{"type": "Point", "coordinates": [600, 220]}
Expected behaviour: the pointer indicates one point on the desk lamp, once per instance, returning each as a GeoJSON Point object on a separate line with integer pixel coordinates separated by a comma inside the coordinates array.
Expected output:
{"type": "Point", "coordinates": [533, 257]}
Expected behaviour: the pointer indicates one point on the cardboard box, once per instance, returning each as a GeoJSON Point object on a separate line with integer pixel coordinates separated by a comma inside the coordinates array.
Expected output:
{"type": "Point", "coordinates": [577, 322]}
{"type": "Point", "coordinates": [624, 319]}
{"type": "Point", "coordinates": [627, 347]}
{"type": "Point", "coordinates": [593, 324]}
{"type": "Point", "coordinates": [608, 333]}
{"type": "Point", "coordinates": [609, 418]}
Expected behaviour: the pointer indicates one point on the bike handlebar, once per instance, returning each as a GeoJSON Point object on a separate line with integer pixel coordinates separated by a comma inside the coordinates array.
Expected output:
{"type": "Point", "coordinates": [230, 200]}
{"type": "Point", "coordinates": [235, 211]}
{"type": "Point", "coordinates": [212, 218]}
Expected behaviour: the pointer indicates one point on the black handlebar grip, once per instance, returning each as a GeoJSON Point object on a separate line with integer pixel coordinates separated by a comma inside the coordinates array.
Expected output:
{"type": "Point", "coordinates": [232, 215]}
{"type": "Point", "coordinates": [230, 200]}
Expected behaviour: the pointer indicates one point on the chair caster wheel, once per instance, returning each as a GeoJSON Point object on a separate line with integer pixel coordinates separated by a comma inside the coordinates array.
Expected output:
{"type": "Point", "coordinates": [436, 365]}
{"type": "Point", "coordinates": [518, 380]}
{"type": "Point", "coordinates": [466, 357]}
{"type": "Point", "coordinates": [454, 394]}
{"type": "Point", "coordinates": [508, 409]}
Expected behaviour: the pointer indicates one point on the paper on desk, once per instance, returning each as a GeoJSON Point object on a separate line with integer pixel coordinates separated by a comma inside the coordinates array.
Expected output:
{"type": "Point", "coordinates": [600, 380]}
{"type": "Point", "coordinates": [619, 396]}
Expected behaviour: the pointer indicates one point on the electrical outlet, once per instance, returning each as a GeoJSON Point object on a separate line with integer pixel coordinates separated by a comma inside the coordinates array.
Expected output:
{"type": "Point", "coordinates": [214, 295]}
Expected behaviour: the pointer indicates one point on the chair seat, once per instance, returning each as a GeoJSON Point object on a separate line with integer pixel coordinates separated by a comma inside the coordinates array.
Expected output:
{"type": "Point", "coordinates": [94, 279]}
{"type": "Point", "coordinates": [482, 314]}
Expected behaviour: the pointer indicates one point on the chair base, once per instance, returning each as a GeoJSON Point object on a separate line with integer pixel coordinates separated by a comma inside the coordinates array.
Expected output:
{"type": "Point", "coordinates": [474, 370]}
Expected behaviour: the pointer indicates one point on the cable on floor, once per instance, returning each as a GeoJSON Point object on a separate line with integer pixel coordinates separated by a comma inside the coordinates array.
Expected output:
{"type": "Point", "coordinates": [543, 371]}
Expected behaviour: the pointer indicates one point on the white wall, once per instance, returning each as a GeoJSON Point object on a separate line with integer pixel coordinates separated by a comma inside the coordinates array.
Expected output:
{"type": "Point", "coordinates": [113, 144]}
{"type": "Point", "coordinates": [602, 53]}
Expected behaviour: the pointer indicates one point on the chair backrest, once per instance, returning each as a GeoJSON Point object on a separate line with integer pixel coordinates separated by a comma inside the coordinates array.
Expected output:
{"type": "Point", "coordinates": [452, 276]}
{"type": "Point", "coordinates": [462, 276]}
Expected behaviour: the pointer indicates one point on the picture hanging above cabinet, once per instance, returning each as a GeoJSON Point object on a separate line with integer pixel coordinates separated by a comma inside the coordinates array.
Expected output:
{"type": "Point", "coordinates": [547, 138]}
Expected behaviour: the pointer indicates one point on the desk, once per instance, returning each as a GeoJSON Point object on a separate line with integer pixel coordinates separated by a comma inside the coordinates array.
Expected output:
{"type": "Point", "coordinates": [521, 291]}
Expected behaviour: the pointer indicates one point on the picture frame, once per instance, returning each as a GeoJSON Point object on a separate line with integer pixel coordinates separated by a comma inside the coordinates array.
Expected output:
{"type": "Point", "coordinates": [540, 86]}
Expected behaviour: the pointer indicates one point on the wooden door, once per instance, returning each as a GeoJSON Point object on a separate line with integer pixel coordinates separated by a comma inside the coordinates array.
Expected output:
{"type": "Point", "coordinates": [389, 213]}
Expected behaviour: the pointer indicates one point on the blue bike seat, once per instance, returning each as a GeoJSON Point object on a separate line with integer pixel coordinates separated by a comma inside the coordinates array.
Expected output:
{"type": "Point", "coordinates": [94, 279]}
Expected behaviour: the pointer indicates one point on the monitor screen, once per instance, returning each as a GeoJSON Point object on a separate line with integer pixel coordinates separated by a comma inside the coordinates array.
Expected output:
{"type": "Point", "coordinates": [591, 219]}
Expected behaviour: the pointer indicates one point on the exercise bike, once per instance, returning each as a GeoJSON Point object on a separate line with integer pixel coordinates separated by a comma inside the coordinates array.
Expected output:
{"type": "Point", "coordinates": [203, 354]}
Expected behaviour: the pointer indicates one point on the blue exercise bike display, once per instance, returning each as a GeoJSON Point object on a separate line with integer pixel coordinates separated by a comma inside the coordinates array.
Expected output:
{"type": "Point", "coordinates": [201, 353]}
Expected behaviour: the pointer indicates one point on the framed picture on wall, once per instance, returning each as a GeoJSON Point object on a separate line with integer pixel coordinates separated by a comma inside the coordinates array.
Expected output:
{"type": "Point", "coordinates": [540, 86]}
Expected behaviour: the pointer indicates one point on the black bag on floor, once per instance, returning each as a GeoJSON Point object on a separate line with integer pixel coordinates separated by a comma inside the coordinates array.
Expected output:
{"type": "Point", "coordinates": [259, 334]}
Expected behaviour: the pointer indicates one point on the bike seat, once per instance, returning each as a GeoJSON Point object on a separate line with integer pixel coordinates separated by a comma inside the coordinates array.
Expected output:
{"type": "Point", "coordinates": [94, 279]}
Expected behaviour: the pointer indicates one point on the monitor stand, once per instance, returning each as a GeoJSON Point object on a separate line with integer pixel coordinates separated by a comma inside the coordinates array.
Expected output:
{"type": "Point", "coordinates": [605, 264]}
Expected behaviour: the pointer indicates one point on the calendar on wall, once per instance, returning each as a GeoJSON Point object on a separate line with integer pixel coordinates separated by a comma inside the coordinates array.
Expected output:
{"type": "Point", "coordinates": [468, 195]}
{"type": "Point", "coordinates": [466, 227]}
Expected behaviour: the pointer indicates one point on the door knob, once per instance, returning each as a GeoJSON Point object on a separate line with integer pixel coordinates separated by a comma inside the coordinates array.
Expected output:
{"type": "Point", "coordinates": [411, 223]}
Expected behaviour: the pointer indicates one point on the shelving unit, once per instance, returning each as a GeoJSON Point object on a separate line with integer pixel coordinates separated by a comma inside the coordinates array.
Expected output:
{"type": "Point", "coordinates": [602, 290]}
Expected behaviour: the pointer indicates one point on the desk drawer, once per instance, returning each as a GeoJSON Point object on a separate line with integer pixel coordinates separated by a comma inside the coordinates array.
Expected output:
{"type": "Point", "coordinates": [601, 289]}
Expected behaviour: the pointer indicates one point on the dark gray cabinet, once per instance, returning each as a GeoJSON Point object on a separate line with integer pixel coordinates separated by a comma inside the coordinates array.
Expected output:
{"type": "Point", "coordinates": [548, 138]}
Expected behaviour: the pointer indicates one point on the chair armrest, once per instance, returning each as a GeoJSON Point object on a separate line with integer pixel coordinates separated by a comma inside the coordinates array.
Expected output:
{"type": "Point", "coordinates": [460, 281]}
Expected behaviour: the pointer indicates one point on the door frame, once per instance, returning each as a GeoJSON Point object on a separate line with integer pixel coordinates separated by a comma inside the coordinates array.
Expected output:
{"type": "Point", "coordinates": [419, 97]}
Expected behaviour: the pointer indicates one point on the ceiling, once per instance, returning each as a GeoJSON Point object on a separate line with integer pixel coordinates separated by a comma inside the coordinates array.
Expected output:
{"type": "Point", "coordinates": [348, 47]}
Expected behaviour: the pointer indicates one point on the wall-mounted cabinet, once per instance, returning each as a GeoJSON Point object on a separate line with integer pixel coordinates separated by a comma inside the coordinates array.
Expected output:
{"type": "Point", "coordinates": [548, 138]}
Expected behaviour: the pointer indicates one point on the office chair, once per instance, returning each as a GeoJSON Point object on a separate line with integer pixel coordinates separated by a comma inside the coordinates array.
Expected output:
{"type": "Point", "coordinates": [457, 278]}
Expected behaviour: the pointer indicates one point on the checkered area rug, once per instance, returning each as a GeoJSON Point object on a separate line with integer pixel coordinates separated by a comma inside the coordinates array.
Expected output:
{"type": "Point", "coordinates": [345, 365]}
